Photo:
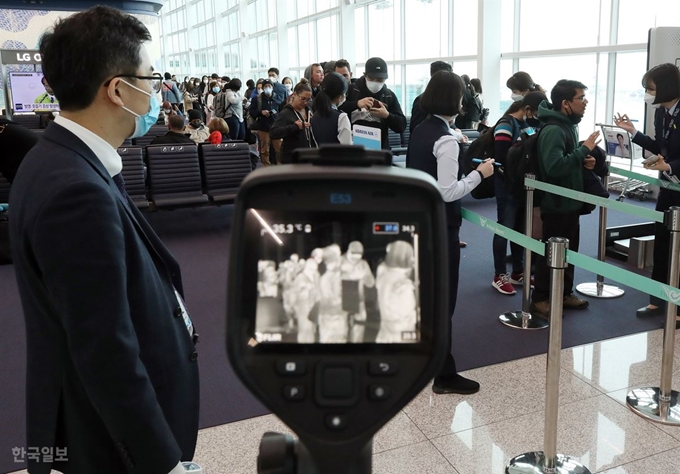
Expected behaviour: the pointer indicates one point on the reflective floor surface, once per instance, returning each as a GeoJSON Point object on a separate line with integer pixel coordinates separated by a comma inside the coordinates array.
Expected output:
{"type": "Point", "coordinates": [479, 434]}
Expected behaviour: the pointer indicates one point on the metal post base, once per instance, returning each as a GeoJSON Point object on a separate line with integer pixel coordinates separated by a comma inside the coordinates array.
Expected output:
{"type": "Point", "coordinates": [532, 463]}
{"type": "Point", "coordinates": [522, 320]}
{"type": "Point", "coordinates": [599, 290]}
{"type": "Point", "coordinates": [645, 402]}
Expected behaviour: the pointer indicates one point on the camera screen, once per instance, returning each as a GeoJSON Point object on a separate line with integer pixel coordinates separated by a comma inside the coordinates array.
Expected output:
{"type": "Point", "coordinates": [335, 277]}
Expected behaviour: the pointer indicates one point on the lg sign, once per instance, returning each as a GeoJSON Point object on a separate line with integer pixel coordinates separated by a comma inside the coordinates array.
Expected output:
{"type": "Point", "coordinates": [27, 57]}
{"type": "Point", "coordinates": [21, 56]}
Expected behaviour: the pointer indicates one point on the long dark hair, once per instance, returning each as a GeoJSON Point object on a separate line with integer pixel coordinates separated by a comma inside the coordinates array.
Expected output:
{"type": "Point", "coordinates": [332, 86]}
{"type": "Point", "coordinates": [522, 81]}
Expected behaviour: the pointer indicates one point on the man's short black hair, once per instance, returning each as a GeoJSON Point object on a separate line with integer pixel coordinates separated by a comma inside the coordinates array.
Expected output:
{"type": "Point", "coordinates": [342, 63]}
{"type": "Point", "coordinates": [565, 89]}
{"type": "Point", "coordinates": [619, 135]}
{"type": "Point", "coordinates": [87, 49]}
{"type": "Point", "coordinates": [443, 94]}
{"type": "Point", "coordinates": [175, 122]}
{"type": "Point", "coordinates": [167, 76]}
{"type": "Point", "coordinates": [274, 70]}
{"type": "Point", "coordinates": [666, 79]}
{"type": "Point", "coordinates": [440, 66]}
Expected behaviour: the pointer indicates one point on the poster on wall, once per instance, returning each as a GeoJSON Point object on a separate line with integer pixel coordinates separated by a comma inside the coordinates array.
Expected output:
{"type": "Point", "coordinates": [30, 92]}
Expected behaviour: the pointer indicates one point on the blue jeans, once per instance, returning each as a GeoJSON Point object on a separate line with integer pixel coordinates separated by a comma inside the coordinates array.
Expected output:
{"type": "Point", "coordinates": [237, 129]}
{"type": "Point", "coordinates": [509, 215]}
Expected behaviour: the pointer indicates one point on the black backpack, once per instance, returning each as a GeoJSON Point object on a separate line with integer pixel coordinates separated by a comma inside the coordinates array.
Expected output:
{"type": "Point", "coordinates": [482, 148]}
{"type": "Point", "coordinates": [522, 159]}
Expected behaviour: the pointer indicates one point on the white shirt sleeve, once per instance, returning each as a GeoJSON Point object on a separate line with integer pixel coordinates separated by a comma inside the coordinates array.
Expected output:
{"type": "Point", "coordinates": [446, 151]}
{"type": "Point", "coordinates": [344, 130]}
{"type": "Point", "coordinates": [178, 469]}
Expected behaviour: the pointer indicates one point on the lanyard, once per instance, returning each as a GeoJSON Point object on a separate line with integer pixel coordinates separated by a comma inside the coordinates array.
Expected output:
{"type": "Point", "coordinates": [671, 124]}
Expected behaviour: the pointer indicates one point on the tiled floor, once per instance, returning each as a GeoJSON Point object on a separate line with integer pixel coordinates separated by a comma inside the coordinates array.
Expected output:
{"type": "Point", "coordinates": [451, 434]}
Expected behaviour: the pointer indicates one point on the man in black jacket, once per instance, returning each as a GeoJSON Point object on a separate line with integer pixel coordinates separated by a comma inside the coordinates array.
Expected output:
{"type": "Point", "coordinates": [417, 112]}
{"type": "Point", "coordinates": [372, 104]}
{"type": "Point", "coordinates": [175, 134]}
{"type": "Point", "coordinates": [111, 376]}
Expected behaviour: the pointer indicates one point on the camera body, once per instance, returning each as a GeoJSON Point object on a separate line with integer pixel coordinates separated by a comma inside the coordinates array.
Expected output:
{"type": "Point", "coordinates": [337, 298]}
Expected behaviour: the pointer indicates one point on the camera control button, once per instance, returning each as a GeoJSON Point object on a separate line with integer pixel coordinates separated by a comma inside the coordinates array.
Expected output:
{"type": "Point", "coordinates": [336, 422]}
{"type": "Point", "coordinates": [294, 393]}
{"type": "Point", "coordinates": [378, 392]}
{"type": "Point", "coordinates": [291, 367]}
{"type": "Point", "coordinates": [337, 383]}
{"type": "Point", "coordinates": [382, 367]}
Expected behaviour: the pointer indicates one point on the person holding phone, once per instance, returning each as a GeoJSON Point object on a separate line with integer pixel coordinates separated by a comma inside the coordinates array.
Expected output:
{"type": "Point", "coordinates": [662, 92]}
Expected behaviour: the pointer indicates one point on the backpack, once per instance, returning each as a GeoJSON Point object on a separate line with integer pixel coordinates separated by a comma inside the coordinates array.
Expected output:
{"type": "Point", "coordinates": [482, 148]}
{"type": "Point", "coordinates": [522, 159]}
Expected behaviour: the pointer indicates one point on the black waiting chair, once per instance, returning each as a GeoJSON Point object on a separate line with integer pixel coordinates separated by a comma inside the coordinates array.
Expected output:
{"type": "Point", "coordinates": [394, 140]}
{"type": "Point", "coordinates": [175, 176]}
{"type": "Point", "coordinates": [143, 141]}
{"type": "Point", "coordinates": [224, 167]}
{"type": "Point", "coordinates": [127, 143]}
{"type": "Point", "coordinates": [157, 130]}
{"type": "Point", "coordinates": [134, 175]}
{"type": "Point", "coordinates": [4, 190]}
{"type": "Point", "coordinates": [31, 121]}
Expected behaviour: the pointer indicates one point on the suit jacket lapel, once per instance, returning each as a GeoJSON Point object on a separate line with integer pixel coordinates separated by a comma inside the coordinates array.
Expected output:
{"type": "Point", "coordinates": [60, 135]}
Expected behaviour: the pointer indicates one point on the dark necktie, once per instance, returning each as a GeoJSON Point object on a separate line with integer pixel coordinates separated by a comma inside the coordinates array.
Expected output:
{"type": "Point", "coordinates": [669, 117]}
{"type": "Point", "coordinates": [120, 182]}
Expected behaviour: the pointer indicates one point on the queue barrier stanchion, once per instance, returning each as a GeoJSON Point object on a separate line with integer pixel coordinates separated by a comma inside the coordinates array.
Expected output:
{"type": "Point", "coordinates": [548, 461]}
{"type": "Point", "coordinates": [599, 289]}
{"type": "Point", "coordinates": [523, 319]}
{"type": "Point", "coordinates": [660, 404]}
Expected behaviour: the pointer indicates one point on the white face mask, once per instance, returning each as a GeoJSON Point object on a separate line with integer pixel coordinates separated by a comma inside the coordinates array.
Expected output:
{"type": "Point", "coordinates": [289, 87]}
{"type": "Point", "coordinates": [516, 97]}
{"type": "Point", "coordinates": [374, 86]}
{"type": "Point", "coordinates": [167, 111]}
{"type": "Point", "coordinates": [649, 99]}
{"type": "Point", "coordinates": [274, 79]}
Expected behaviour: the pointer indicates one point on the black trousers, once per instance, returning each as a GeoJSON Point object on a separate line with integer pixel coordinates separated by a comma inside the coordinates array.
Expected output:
{"type": "Point", "coordinates": [449, 367]}
{"type": "Point", "coordinates": [556, 225]}
{"type": "Point", "coordinates": [662, 248]}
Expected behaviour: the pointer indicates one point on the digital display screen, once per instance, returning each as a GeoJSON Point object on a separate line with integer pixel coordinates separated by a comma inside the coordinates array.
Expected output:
{"type": "Point", "coordinates": [335, 277]}
{"type": "Point", "coordinates": [31, 93]}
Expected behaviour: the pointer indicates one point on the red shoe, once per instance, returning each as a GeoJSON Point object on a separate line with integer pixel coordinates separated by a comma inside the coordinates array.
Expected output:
{"type": "Point", "coordinates": [518, 279]}
{"type": "Point", "coordinates": [502, 284]}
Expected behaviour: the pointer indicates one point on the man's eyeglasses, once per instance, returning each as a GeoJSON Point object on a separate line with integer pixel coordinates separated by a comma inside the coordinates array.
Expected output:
{"type": "Point", "coordinates": [581, 98]}
{"type": "Point", "coordinates": [156, 80]}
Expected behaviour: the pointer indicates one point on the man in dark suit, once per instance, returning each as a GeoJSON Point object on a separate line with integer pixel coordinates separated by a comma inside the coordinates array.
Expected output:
{"type": "Point", "coordinates": [175, 134]}
{"type": "Point", "coordinates": [112, 376]}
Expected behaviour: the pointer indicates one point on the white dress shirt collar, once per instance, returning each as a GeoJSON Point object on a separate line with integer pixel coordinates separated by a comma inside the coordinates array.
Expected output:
{"type": "Point", "coordinates": [672, 109]}
{"type": "Point", "coordinates": [108, 155]}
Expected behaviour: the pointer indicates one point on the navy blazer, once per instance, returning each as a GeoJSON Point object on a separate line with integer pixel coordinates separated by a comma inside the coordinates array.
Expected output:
{"type": "Point", "coordinates": [667, 197]}
{"type": "Point", "coordinates": [111, 371]}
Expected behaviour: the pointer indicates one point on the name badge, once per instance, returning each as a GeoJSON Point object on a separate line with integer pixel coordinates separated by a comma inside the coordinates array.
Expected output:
{"type": "Point", "coordinates": [185, 315]}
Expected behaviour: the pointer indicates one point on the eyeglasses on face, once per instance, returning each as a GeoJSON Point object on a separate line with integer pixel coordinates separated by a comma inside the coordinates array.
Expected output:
{"type": "Point", "coordinates": [156, 80]}
{"type": "Point", "coordinates": [581, 98]}
{"type": "Point", "coordinates": [305, 99]}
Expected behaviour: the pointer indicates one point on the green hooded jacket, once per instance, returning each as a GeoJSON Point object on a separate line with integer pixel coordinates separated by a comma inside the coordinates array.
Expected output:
{"type": "Point", "coordinates": [558, 162]}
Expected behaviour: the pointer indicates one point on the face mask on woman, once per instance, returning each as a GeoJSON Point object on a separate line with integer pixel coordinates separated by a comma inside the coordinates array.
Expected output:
{"type": "Point", "coordinates": [649, 100]}
{"type": "Point", "coordinates": [205, 81]}
{"type": "Point", "coordinates": [516, 97]}
{"type": "Point", "coordinates": [288, 86]}
{"type": "Point", "coordinates": [268, 90]}
{"type": "Point", "coordinates": [167, 111]}
{"type": "Point", "coordinates": [215, 90]}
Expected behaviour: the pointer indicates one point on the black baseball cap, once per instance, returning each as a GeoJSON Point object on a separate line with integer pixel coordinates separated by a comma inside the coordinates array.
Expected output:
{"type": "Point", "coordinates": [376, 67]}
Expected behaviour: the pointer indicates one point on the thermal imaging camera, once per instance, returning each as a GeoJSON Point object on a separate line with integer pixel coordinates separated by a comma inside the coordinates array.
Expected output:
{"type": "Point", "coordinates": [337, 301]}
